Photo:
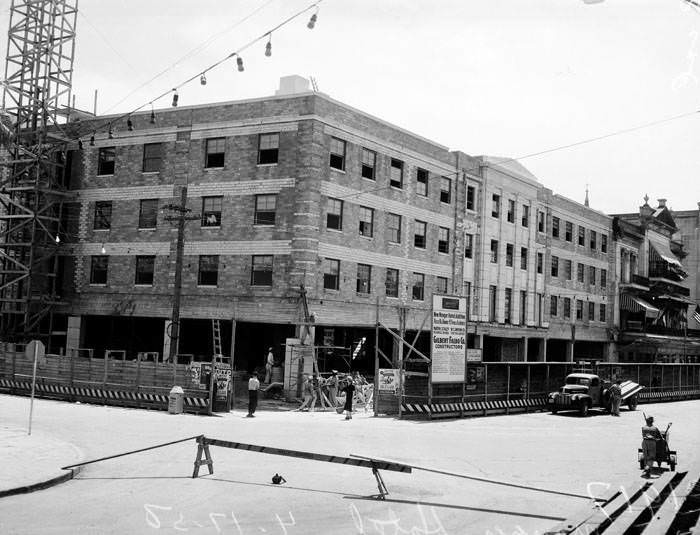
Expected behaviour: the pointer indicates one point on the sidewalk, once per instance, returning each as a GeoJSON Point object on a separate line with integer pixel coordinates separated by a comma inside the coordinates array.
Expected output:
{"type": "Point", "coordinates": [33, 462]}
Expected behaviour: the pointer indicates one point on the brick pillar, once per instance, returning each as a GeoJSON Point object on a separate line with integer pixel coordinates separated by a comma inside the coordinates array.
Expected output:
{"type": "Point", "coordinates": [525, 357]}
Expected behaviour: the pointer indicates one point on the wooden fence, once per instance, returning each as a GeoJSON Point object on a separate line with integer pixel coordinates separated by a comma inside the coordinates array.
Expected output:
{"type": "Point", "coordinates": [111, 380]}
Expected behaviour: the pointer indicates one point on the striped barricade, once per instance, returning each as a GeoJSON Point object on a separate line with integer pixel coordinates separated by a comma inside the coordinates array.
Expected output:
{"type": "Point", "coordinates": [100, 395]}
{"type": "Point", "coordinates": [473, 407]}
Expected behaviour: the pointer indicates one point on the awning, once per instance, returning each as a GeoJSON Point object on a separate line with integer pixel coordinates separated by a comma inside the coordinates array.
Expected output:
{"type": "Point", "coordinates": [677, 299]}
{"type": "Point", "coordinates": [663, 249]}
{"type": "Point", "coordinates": [633, 303]}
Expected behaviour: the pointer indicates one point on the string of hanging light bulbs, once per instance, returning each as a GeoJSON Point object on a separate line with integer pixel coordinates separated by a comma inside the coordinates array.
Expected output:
{"type": "Point", "coordinates": [201, 75]}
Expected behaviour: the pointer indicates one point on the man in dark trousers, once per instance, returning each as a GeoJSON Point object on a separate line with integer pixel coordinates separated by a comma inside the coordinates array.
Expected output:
{"type": "Point", "coordinates": [615, 398]}
{"type": "Point", "coordinates": [253, 386]}
{"type": "Point", "coordinates": [349, 390]}
{"type": "Point", "coordinates": [650, 434]}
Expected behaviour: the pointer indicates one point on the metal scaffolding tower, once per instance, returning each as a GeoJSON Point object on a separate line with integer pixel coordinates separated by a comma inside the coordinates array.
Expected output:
{"type": "Point", "coordinates": [37, 85]}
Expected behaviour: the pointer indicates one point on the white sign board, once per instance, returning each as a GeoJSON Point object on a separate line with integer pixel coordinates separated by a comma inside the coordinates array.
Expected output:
{"type": "Point", "coordinates": [388, 380]}
{"type": "Point", "coordinates": [473, 355]}
{"type": "Point", "coordinates": [448, 338]}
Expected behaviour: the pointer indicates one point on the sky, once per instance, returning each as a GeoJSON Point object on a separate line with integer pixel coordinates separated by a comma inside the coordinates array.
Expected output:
{"type": "Point", "coordinates": [498, 77]}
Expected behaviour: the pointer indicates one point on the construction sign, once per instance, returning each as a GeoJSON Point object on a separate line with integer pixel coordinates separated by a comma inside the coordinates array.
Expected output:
{"type": "Point", "coordinates": [448, 338]}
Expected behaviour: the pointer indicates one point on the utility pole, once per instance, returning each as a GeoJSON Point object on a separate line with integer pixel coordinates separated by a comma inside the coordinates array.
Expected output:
{"type": "Point", "coordinates": [181, 216]}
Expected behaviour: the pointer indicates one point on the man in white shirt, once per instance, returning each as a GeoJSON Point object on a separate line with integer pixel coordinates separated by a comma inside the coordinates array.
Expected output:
{"type": "Point", "coordinates": [253, 386]}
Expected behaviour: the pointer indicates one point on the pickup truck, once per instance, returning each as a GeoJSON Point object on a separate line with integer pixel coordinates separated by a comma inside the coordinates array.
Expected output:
{"type": "Point", "coordinates": [584, 391]}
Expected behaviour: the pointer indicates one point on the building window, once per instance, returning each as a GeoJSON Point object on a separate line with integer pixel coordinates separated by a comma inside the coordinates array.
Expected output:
{"type": "Point", "coordinates": [567, 269]}
{"type": "Point", "coordinates": [523, 258]}
{"type": "Point", "coordinates": [539, 307]}
{"type": "Point", "coordinates": [510, 214]}
{"type": "Point", "coordinates": [581, 236]}
{"type": "Point", "coordinates": [268, 148]}
{"type": "Point", "coordinates": [369, 162]}
{"type": "Point", "coordinates": [152, 157]}
{"type": "Point", "coordinates": [393, 228]}
{"type": "Point", "coordinates": [555, 266]}
{"type": "Point", "coordinates": [103, 215]}
{"type": "Point", "coordinates": [443, 240]}
{"type": "Point", "coordinates": [216, 148]}
{"type": "Point", "coordinates": [396, 180]}
{"type": "Point", "coordinates": [145, 266]}
{"type": "Point", "coordinates": [261, 271]}
{"type": "Point", "coordinates": [567, 308]}
{"type": "Point", "coordinates": [569, 231]}
{"type": "Point", "coordinates": [148, 213]}
{"type": "Point", "coordinates": [331, 274]}
{"type": "Point", "coordinates": [540, 221]}
{"type": "Point", "coordinates": [603, 278]}
{"type": "Point", "coordinates": [593, 240]}
{"type": "Point", "coordinates": [507, 306]}
{"type": "Point", "coordinates": [509, 254]}
{"type": "Point", "coordinates": [525, 220]}
{"type": "Point", "coordinates": [364, 278]}
{"type": "Point", "coordinates": [211, 211]}
{"type": "Point", "coordinates": [602, 311]}
{"type": "Point", "coordinates": [493, 296]}
{"type": "Point", "coordinates": [494, 251]}
{"type": "Point", "coordinates": [98, 269]}
{"type": "Point", "coordinates": [334, 214]}
{"type": "Point", "coordinates": [208, 270]}
{"type": "Point", "coordinates": [265, 209]}
{"type": "Point", "coordinates": [603, 243]}
{"type": "Point", "coordinates": [495, 205]}
{"type": "Point", "coordinates": [419, 234]}
{"type": "Point", "coordinates": [468, 245]}
{"type": "Point", "coordinates": [366, 221]}
{"type": "Point", "coordinates": [422, 182]}
{"type": "Point", "coordinates": [555, 227]}
{"type": "Point", "coordinates": [553, 306]}
{"type": "Point", "coordinates": [591, 311]}
{"type": "Point", "coordinates": [471, 191]}
{"type": "Point", "coordinates": [441, 285]}
{"type": "Point", "coordinates": [418, 286]}
{"type": "Point", "coordinates": [579, 272]}
{"type": "Point", "coordinates": [591, 275]}
{"type": "Point", "coordinates": [391, 283]}
{"type": "Point", "coordinates": [579, 309]}
{"type": "Point", "coordinates": [523, 307]}
{"type": "Point", "coordinates": [445, 190]}
{"type": "Point", "coordinates": [540, 262]}
{"type": "Point", "coordinates": [337, 159]}
{"type": "Point", "coordinates": [105, 161]}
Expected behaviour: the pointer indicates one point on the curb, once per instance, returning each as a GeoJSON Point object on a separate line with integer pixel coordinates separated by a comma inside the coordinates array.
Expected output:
{"type": "Point", "coordinates": [68, 475]}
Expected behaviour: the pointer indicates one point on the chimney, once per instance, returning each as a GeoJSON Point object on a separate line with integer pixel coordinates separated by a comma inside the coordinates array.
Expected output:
{"type": "Point", "coordinates": [662, 203]}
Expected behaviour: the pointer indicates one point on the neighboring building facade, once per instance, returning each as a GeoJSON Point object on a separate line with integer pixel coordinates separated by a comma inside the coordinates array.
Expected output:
{"type": "Point", "coordinates": [688, 223]}
{"type": "Point", "coordinates": [654, 300]}
{"type": "Point", "coordinates": [543, 286]}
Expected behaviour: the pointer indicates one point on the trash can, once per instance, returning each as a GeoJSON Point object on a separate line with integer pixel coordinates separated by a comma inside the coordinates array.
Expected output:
{"type": "Point", "coordinates": [175, 400]}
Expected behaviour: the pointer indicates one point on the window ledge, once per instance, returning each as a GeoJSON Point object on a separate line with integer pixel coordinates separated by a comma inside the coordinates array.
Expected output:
{"type": "Point", "coordinates": [370, 238]}
{"type": "Point", "coordinates": [105, 175]}
{"type": "Point", "coordinates": [211, 227]}
{"type": "Point", "coordinates": [207, 286]}
{"type": "Point", "coordinates": [338, 230]}
{"type": "Point", "coordinates": [332, 290]}
{"type": "Point", "coordinates": [394, 243]}
{"type": "Point", "coordinates": [150, 172]}
{"type": "Point", "coordinates": [342, 171]}
{"type": "Point", "coordinates": [261, 286]}
{"type": "Point", "coordinates": [147, 228]}
{"type": "Point", "coordinates": [101, 229]}
{"type": "Point", "coordinates": [264, 224]}
{"type": "Point", "coordinates": [98, 284]}
{"type": "Point", "coordinates": [399, 188]}
{"type": "Point", "coordinates": [144, 285]}
{"type": "Point", "coordinates": [214, 168]}
{"type": "Point", "coordinates": [365, 178]}
{"type": "Point", "coordinates": [267, 164]}
{"type": "Point", "coordinates": [391, 296]}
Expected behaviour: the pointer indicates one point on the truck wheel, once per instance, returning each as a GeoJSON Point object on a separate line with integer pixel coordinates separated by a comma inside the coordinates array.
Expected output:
{"type": "Point", "coordinates": [672, 465]}
{"type": "Point", "coordinates": [554, 410]}
{"type": "Point", "coordinates": [583, 409]}
{"type": "Point", "coordinates": [632, 403]}
{"type": "Point", "coordinates": [641, 464]}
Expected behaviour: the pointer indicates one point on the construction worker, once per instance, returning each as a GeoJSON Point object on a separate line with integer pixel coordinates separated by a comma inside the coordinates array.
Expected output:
{"type": "Point", "coordinates": [615, 398]}
{"type": "Point", "coordinates": [650, 434]}
{"type": "Point", "coordinates": [269, 363]}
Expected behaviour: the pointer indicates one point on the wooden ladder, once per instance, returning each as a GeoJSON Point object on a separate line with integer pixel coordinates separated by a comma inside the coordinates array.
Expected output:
{"type": "Point", "coordinates": [216, 336]}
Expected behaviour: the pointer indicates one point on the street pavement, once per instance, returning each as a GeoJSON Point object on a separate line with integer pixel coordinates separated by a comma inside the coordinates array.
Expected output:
{"type": "Point", "coordinates": [153, 491]}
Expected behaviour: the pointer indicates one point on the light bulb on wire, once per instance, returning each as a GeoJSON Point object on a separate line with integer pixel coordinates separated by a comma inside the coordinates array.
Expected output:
{"type": "Point", "coordinates": [153, 117]}
{"type": "Point", "coordinates": [239, 62]}
{"type": "Point", "coordinates": [268, 46]}
{"type": "Point", "coordinates": [129, 125]}
{"type": "Point", "coordinates": [58, 240]}
{"type": "Point", "coordinates": [203, 79]}
{"type": "Point", "coordinates": [176, 97]}
{"type": "Point", "coordinates": [103, 250]}
{"type": "Point", "coordinates": [312, 21]}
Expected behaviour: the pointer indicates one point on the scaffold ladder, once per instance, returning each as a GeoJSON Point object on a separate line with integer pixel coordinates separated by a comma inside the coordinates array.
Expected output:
{"type": "Point", "coordinates": [216, 336]}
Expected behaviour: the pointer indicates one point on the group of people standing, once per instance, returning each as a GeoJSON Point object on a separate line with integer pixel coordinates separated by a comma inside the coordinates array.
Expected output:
{"type": "Point", "coordinates": [325, 391]}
